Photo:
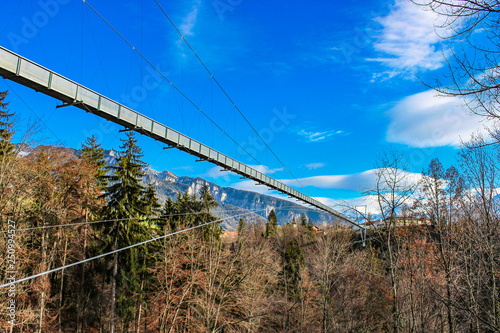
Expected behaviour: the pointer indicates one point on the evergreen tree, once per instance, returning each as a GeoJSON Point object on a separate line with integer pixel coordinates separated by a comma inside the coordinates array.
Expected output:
{"type": "Point", "coordinates": [294, 262]}
{"type": "Point", "coordinates": [272, 224]}
{"type": "Point", "coordinates": [8, 172]}
{"type": "Point", "coordinates": [125, 191]}
{"type": "Point", "coordinates": [6, 127]}
{"type": "Point", "coordinates": [94, 154]}
{"type": "Point", "coordinates": [310, 224]}
{"type": "Point", "coordinates": [170, 217]}
{"type": "Point", "coordinates": [212, 231]}
{"type": "Point", "coordinates": [188, 211]}
{"type": "Point", "coordinates": [242, 226]}
{"type": "Point", "coordinates": [303, 220]}
{"type": "Point", "coordinates": [187, 205]}
{"type": "Point", "coordinates": [125, 202]}
{"type": "Point", "coordinates": [206, 198]}
{"type": "Point", "coordinates": [150, 201]}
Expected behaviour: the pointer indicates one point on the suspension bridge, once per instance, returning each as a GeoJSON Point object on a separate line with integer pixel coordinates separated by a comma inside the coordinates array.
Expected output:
{"type": "Point", "coordinates": [30, 74]}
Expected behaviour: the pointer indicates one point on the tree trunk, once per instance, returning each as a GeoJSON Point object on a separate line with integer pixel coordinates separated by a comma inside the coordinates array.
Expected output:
{"type": "Point", "coordinates": [80, 322]}
{"type": "Point", "coordinates": [449, 313]}
{"type": "Point", "coordinates": [42, 296]}
{"type": "Point", "coordinates": [113, 294]}
{"type": "Point", "coordinates": [395, 308]}
{"type": "Point", "coordinates": [138, 325]}
{"type": "Point", "coordinates": [62, 286]}
{"type": "Point", "coordinates": [325, 314]}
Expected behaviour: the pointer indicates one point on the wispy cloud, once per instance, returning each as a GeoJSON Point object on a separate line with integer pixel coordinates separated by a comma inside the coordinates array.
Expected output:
{"type": "Point", "coordinates": [425, 120]}
{"type": "Point", "coordinates": [408, 42]}
{"type": "Point", "coordinates": [317, 136]}
{"type": "Point", "coordinates": [364, 204]}
{"type": "Point", "coordinates": [265, 169]}
{"type": "Point", "coordinates": [189, 21]}
{"type": "Point", "coordinates": [250, 185]}
{"type": "Point", "coordinates": [216, 173]}
{"type": "Point", "coordinates": [313, 166]}
{"type": "Point", "coordinates": [186, 168]}
{"type": "Point", "coordinates": [356, 182]}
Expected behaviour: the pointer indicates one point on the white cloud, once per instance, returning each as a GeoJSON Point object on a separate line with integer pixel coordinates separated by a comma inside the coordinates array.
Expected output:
{"type": "Point", "coordinates": [425, 120]}
{"type": "Point", "coordinates": [312, 166]}
{"type": "Point", "coordinates": [264, 169]}
{"type": "Point", "coordinates": [355, 182]}
{"type": "Point", "coordinates": [408, 41]}
{"type": "Point", "coordinates": [316, 136]}
{"type": "Point", "coordinates": [215, 173]}
{"type": "Point", "coordinates": [186, 168]}
{"type": "Point", "coordinates": [188, 23]}
{"type": "Point", "coordinates": [250, 185]}
{"type": "Point", "coordinates": [365, 204]}
{"type": "Point", "coordinates": [328, 201]}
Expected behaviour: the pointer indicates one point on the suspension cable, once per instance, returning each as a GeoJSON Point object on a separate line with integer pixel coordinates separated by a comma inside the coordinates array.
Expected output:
{"type": "Point", "coordinates": [112, 252]}
{"type": "Point", "coordinates": [229, 98]}
{"type": "Point", "coordinates": [178, 89]}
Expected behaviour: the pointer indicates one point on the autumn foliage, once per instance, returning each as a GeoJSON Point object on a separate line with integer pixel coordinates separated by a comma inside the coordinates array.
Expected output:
{"type": "Point", "coordinates": [438, 276]}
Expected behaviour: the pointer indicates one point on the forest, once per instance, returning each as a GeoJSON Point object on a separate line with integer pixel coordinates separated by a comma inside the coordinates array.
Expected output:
{"type": "Point", "coordinates": [429, 264]}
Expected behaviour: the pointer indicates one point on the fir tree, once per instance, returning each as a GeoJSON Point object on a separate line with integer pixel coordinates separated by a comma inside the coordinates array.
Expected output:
{"type": "Point", "coordinates": [150, 201]}
{"type": "Point", "coordinates": [125, 194]}
{"type": "Point", "coordinates": [206, 198]}
{"type": "Point", "coordinates": [94, 154]}
{"type": "Point", "coordinates": [191, 210]}
{"type": "Point", "coordinates": [170, 217]}
{"type": "Point", "coordinates": [310, 224]}
{"type": "Point", "coordinates": [272, 224]}
{"type": "Point", "coordinates": [294, 263]}
{"type": "Point", "coordinates": [242, 226]}
{"type": "Point", "coordinates": [303, 220]}
{"type": "Point", "coordinates": [6, 127]}
{"type": "Point", "coordinates": [125, 191]}
{"type": "Point", "coordinates": [187, 205]}
{"type": "Point", "coordinates": [212, 231]}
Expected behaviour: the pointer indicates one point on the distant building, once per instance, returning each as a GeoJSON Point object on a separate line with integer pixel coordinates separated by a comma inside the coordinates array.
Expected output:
{"type": "Point", "coordinates": [229, 236]}
{"type": "Point", "coordinates": [398, 221]}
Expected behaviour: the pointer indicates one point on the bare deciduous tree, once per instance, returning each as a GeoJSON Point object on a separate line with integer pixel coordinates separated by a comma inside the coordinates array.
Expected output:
{"type": "Point", "coordinates": [394, 188]}
{"type": "Point", "coordinates": [471, 34]}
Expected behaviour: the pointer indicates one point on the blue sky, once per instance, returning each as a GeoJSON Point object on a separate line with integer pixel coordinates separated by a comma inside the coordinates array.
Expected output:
{"type": "Point", "coordinates": [329, 85]}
